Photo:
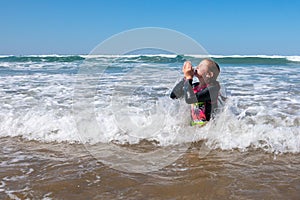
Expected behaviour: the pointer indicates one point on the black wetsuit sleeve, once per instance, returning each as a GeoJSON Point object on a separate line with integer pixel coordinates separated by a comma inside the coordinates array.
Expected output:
{"type": "Point", "coordinates": [177, 91]}
{"type": "Point", "coordinates": [189, 95]}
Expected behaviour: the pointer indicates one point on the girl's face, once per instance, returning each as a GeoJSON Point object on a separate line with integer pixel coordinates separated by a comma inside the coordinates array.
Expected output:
{"type": "Point", "coordinates": [203, 73]}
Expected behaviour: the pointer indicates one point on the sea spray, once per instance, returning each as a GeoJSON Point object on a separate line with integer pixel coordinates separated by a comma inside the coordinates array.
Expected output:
{"type": "Point", "coordinates": [261, 111]}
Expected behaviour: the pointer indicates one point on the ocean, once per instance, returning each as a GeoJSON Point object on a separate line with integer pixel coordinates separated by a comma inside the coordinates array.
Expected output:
{"type": "Point", "coordinates": [104, 127]}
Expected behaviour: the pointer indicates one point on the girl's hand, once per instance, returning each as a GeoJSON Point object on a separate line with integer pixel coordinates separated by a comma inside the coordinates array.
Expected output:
{"type": "Point", "coordinates": [188, 70]}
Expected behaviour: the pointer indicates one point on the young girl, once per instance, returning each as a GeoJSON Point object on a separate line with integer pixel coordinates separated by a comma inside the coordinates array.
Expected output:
{"type": "Point", "coordinates": [203, 95]}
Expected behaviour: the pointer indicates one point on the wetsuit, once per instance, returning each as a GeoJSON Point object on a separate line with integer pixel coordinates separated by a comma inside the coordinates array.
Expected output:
{"type": "Point", "coordinates": [203, 99]}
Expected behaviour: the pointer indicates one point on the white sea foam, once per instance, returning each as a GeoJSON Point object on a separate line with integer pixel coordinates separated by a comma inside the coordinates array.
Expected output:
{"type": "Point", "coordinates": [262, 112]}
{"type": "Point", "coordinates": [294, 58]}
{"type": "Point", "coordinates": [247, 56]}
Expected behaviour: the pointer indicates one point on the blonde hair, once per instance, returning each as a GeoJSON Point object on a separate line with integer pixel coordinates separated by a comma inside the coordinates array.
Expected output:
{"type": "Point", "coordinates": [214, 68]}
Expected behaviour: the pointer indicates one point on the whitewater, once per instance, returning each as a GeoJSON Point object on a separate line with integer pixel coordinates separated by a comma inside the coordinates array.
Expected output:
{"type": "Point", "coordinates": [104, 127]}
{"type": "Point", "coordinates": [41, 97]}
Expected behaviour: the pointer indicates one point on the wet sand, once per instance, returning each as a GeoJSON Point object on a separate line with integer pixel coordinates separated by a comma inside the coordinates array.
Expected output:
{"type": "Point", "coordinates": [34, 170]}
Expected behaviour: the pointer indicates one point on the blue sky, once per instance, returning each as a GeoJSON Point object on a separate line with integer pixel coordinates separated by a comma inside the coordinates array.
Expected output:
{"type": "Point", "coordinates": [221, 27]}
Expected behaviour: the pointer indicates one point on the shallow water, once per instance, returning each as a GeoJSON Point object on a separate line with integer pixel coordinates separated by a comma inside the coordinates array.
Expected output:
{"type": "Point", "coordinates": [105, 128]}
{"type": "Point", "coordinates": [35, 170]}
